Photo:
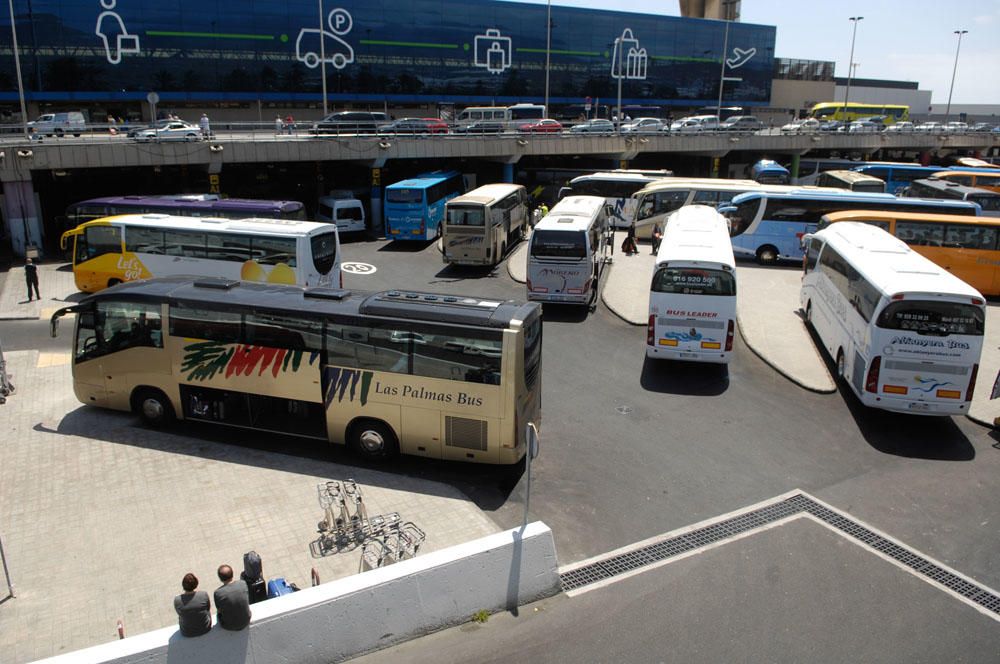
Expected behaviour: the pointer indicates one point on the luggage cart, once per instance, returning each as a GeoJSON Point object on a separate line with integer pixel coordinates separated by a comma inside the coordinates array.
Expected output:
{"type": "Point", "coordinates": [6, 386]}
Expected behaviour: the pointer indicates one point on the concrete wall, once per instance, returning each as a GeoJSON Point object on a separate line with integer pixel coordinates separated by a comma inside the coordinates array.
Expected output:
{"type": "Point", "coordinates": [365, 612]}
{"type": "Point", "coordinates": [799, 95]}
{"type": "Point", "coordinates": [918, 100]}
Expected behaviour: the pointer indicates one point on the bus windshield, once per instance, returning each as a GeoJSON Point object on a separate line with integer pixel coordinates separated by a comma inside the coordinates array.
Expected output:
{"type": "Point", "coordinates": [933, 318]}
{"type": "Point", "coordinates": [744, 214]}
{"type": "Point", "coordinates": [471, 215]}
{"type": "Point", "coordinates": [694, 281]}
{"type": "Point", "coordinates": [559, 244]}
{"type": "Point", "coordinates": [404, 195]}
{"type": "Point", "coordinates": [989, 202]}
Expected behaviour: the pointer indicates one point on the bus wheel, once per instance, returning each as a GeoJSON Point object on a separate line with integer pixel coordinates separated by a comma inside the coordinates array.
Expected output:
{"type": "Point", "coordinates": [841, 364]}
{"type": "Point", "coordinates": [373, 440]}
{"type": "Point", "coordinates": [113, 282]}
{"type": "Point", "coordinates": [153, 407]}
{"type": "Point", "coordinates": [767, 255]}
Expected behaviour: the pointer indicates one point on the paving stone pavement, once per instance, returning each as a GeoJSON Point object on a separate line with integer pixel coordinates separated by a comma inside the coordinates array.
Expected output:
{"type": "Point", "coordinates": [55, 284]}
{"type": "Point", "coordinates": [101, 517]}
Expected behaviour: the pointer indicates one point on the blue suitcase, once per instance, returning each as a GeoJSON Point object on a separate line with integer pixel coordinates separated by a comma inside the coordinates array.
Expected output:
{"type": "Point", "coordinates": [278, 587]}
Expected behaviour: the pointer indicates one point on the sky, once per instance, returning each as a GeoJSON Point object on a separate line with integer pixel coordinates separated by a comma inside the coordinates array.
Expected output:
{"type": "Point", "coordinates": [900, 41]}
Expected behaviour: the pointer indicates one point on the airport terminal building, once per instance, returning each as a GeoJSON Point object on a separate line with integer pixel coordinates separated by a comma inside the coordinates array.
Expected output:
{"type": "Point", "coordinates": [109, 54]}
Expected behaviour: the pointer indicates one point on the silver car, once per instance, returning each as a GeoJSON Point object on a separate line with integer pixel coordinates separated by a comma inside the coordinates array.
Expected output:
{"type": "Point", "coordinates": [175, 130]}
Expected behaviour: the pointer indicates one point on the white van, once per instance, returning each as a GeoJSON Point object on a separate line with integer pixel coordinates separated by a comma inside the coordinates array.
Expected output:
{"type": "Point", "coordinates": [567, 251]}
{"type": "Point", "coordinates": [342, 209]}
{"type": "Point", "coordinates": [692, 298]}
{"type": "Point", "coordinates": [695, 123]}
{"type": "Point", "coordinates": [58, 124]}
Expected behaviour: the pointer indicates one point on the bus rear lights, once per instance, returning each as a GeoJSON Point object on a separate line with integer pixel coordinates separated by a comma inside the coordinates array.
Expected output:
{"type": "Point", "coordinates": [949, 394]}
{"type": "Point", "coordinates": [871, 382]}
{"type": "Point", "coordinates": [976, 301]}
{"type": "Point", "coordinates": [711, 345]}
{"type": "Point", "coordinates": [576, 291]}
{"type": "Point", "coordinates": [418, 231]}
{"type": "Point", "coordinates": [539, 289]}
{"type": "Point", "coordinates": [897, 296]}
{"type": "Point", "coordinates": [651, 330]}
{"type": "Point", "coordinates": [730, 333]}
{"type": "Point", "coordinates": [668, 342]}
{"type": "Point", "coordinates": [972, 382]}
{"type": "Point", "coordinates": [895, 389]}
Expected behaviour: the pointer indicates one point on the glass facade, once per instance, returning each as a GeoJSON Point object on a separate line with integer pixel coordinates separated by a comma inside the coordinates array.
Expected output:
{"type": "Point", "coordinates": [425, 51]}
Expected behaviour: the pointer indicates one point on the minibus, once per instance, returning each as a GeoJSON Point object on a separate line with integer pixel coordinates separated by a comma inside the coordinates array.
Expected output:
{"type": "Point", "coordinates": [568, 250]}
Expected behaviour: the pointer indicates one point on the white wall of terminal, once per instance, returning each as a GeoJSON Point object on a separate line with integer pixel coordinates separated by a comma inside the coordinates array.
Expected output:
{"type": "Point", "coordinates": [365, 612]}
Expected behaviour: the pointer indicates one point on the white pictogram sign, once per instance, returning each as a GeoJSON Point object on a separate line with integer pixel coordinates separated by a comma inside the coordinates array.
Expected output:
{"type": "Point", "coordinates": [112, 31]}
{"type": "Point", "coordinates": [335, 50]}
{"type": "Point", "coordinates": [740, 57]}
{"type": "Point", "coordinates": [493, 51]}
{"type": "Point", "coordinates": [358, 268]}
{"type": "Point", "coordinates": [629, 60]}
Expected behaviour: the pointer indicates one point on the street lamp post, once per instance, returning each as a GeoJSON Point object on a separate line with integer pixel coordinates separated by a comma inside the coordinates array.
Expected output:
{"type": "Point", "coordinates": [951, 88]}
{"type": "Point", "coordinates": [725, 51]}
{"type": "Point", "coordinates": [619, 47]}
{"type": "Point", "coordinates": [322, 53]}
{"type": "Point", "coordinates": [548, 53]}
{"type": "Point", "coordinates": [20, 84]}
{"type": "Point", "coordinates": [850, 63]}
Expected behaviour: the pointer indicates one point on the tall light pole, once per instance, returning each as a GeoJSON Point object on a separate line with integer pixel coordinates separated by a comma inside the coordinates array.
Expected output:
{"type": "Point", "coordinates": [725, 53]}
{"type": "Point", "coordinates": [20, 84]}
{"type": "Point", "coordinates": [322, 53]}
{"type": "Point", "coordinates": [850, 64]}
{"type": "Point", "coordinates": [947, 111]}
{"type": "Point", "coordinates": [548, 53]}
{"type": "Point", "coordinates": [619, 47]}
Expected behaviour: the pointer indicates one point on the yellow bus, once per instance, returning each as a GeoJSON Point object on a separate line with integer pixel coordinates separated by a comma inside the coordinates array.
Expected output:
{"type": "Point", "coordinates": [481, 225]}
{"type": "Point", "coordinates": [438, 376]}
{"type": "Point", "coordinates": [113, 250]}
{"type": "Point", "coordinates": [966, 246]}
{"type": "Point", "coordinates": [835, 110]}
{"type": "Point", "coordinates": [980, 180]}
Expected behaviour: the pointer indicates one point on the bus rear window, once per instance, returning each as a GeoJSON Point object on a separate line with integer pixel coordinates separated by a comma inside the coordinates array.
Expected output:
{"type": "Point", "coordinates": [558, 244]}
{"type": "Point", "coordinates": [404, 195]}
{"type": "Point", "coordinates": [324, 251]}
{"type": "Point", "coordinates": [465, 216]}
{"type": "Point", "coordinates": [933, 318]}
{"type": "Point", "coordinates": [987, 202]}
{"type": "Point", "coordinates": [693, 281]}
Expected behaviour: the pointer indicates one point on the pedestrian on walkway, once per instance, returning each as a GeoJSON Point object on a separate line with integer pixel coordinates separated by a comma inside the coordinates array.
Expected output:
{"type": "Point", "coordinates": [193, 608]}
{"type": "Point", "coordinates": [290, 124]}
{"type": "Point", "coordinates": [232, 601]}
{"type": "Point", "coordinates": [657, 238]}
{"type": "Point", "coordinates": [628, 244]}
{"type": "Point", "coordinates": [206, 129]}
{"type": "Point", "coordinates": [31, 278]}
{"type": "Point", "coordinates": [278, 124]}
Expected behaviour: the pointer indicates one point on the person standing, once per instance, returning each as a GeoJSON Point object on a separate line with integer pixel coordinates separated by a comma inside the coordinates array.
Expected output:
{"type": "Point", "coordinates": [193, 608]}
{"type": "Point", "coordinates": [657, 237]}
{"type": "Point", "coordinates": [232, 601]}
{"type": "Point", "coordinates": [206, 129]}
{"type": "Point", "coordinates": [290, 124]}
{"type": "Point", "coordinates": [278, 124]}
{"type": "Point", "coordinates": [31, 278]}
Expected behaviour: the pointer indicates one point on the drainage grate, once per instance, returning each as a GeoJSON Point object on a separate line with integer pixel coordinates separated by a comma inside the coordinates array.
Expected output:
{"type": "Point", "coordinates": [752, 520]}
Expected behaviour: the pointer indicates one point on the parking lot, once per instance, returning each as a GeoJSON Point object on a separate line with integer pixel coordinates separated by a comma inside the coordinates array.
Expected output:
{"type": "Point", "coordinates": [93, 505]}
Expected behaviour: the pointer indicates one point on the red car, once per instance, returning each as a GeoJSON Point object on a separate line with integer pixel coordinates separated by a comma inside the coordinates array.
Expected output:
{"type": "Point", "coordinates": [541, 127]}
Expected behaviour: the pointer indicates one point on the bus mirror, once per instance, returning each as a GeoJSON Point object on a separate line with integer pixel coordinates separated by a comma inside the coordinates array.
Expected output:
{"type": "Point", "coordinates": [564, 192]}
{"type": "Point", "coordinates": [54, 325]}
{"type": "Point", "coordinates": [531, 436]}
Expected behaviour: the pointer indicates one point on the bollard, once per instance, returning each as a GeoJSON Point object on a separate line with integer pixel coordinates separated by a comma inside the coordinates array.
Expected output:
{"type": "Point", "coordinates": [315, 577]}
{"type": "Point", "coordinates": [121, 630]}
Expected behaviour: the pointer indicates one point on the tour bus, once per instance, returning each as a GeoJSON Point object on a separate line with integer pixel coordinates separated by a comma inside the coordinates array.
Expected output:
{"type": "Point", "coordinates": [851, 180]}
{"type": "Point", "coordinates": [897, 176]}
{"type": "Point", "coordinates": [965, 246]}
{"type": "Point", "coordinates": [905, 334]}
{"type": "Point", "coordinates": [654, 203]}
{"type": "Point", "coordinates": [811, 167]}
{"type": "Point", "coordinates": [510, 115]}
{"type": "Point", "coordinates": [836, 110]}
{"type": "Point", "coordinates": [414, 208]}
{"type": "Point", "coordinates": [982, 179]}
{"type": "Point", "coordinates": [185, 205]}
{"type": "Point", "coordinates": [692, 297]}
{"type": "Point", "coordinates": [568, 250]}
{"type": "Point", "coordinates": [989, 201]}
{"type": "Point", "coordinates": [769, 225]}
{"type": "Point", "coordinates": [139, 246]}
{"type": "Point", "coordinates": [768, 171]}
{"type": "Point", "coordinates": [481, 225]}
{"type": "Point", "coordinates": [617, 187]}
{"type": "Point", "coordinates": [440, 376]}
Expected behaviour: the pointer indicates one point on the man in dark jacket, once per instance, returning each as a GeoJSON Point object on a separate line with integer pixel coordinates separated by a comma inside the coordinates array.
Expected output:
{"type": "Point", "coordinates": [31, 278]}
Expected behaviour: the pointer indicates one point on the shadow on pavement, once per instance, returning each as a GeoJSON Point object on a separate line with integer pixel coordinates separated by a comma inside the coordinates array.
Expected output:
{"type": "Point", "coordinates": [564, 313]}
{"type": "Point", "coordinates": [407, 246]}
{"type": "Point", "coordinates": [459, 272]}
{"type": "Point", "coordinates": [487, 486]}
{"type": "Point", "coordinates": [697, 379]}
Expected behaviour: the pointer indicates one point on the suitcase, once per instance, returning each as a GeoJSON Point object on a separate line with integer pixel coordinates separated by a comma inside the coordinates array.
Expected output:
{"type": "Point", "coordinates": [278, 587]}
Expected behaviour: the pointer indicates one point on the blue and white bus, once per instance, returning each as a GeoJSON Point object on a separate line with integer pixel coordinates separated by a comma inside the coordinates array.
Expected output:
{"type": "Point", "coordinates": [414, 208]}
{"type": "Point", "coordinates": [897, 176]}
{"type": "Point", "coordinates": [768, 171]}
{"type": "Point", "coordinates": [769, 225]}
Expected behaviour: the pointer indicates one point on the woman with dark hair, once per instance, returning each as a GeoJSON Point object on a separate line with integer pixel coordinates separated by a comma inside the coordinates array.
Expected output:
{"type": "Point", "coordinates": [193, 608]}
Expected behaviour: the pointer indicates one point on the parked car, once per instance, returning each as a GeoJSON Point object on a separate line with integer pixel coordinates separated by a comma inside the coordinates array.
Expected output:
{"type": "Point", "coordinates": [643, 126]}
{"type": "Point", "coordinates": [864, 127]}
{"type": "Point", "coordinates": [903, 127]}
{"type": "Point", "coordinates": [415, 126]}
{"type": "Point", "coordinates": [350, 122]}
{"type": "Point", "coordinates": [57, 124]}
{"type": "Point", "coordinates": [830, 125]}
{"type": "Point", "coordinates": [594, 126]}
{"type": "Point", "coordinates": [695, 123]}
{"type": "Point", "coordinates": [481, 127]}
{"type": "Point", "coordinates": [174, 130]}
{"type": "Point", "coordinates": [930, 128]}
{"type": "Point", "coordinates": [159, 124]}
{"type": "Point", "coordinates": [545, 126]}
{"type": "Point", "coordinates": [742, 123]}
{"type": "Point", "coordinates": [956, 128]}
{"type": "Point", "coordinates": [981, 127]}
{"type": "Point", "coordinates": [807, 126]}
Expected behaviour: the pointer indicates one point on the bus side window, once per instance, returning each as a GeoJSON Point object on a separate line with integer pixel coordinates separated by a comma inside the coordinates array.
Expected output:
{"type": "Point", "coordinates": [103, 240]}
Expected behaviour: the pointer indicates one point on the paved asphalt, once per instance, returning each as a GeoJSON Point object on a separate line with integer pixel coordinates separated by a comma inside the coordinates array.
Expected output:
{"type": "Point", "coordinates": [632, 448]}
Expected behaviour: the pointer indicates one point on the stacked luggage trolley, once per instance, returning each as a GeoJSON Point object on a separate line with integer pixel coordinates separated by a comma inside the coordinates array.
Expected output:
{"type": "Point", "coordinates": [383, 538]}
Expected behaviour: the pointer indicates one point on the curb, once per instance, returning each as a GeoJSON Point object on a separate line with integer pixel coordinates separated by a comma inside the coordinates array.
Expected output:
{"type": "Point", "coordinates": [774, 366]}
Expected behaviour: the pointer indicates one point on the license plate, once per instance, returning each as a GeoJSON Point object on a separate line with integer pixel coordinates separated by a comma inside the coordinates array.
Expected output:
{"type": "Point", "coordinates": [687, 355]}
{"type": "Point", "coordinates": [920, 407]}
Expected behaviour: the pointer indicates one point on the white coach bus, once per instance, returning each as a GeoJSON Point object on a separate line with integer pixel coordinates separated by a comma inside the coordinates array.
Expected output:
{"type": "Point", "coordinates": [480, 226]}
{"type": "Point", "coordinates": [692, 298]}
{"type": "Point", "coordinates": [906, 334]}
{"type": "Point", "coordinates": [567, 250]}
